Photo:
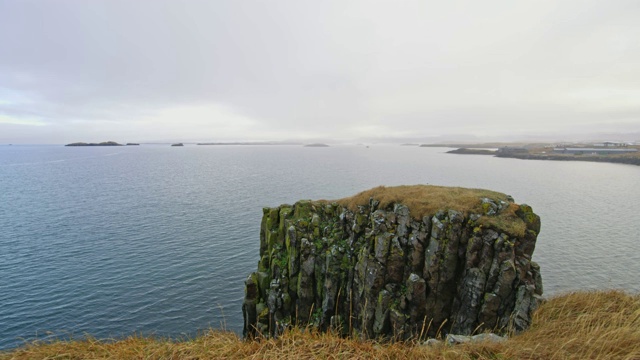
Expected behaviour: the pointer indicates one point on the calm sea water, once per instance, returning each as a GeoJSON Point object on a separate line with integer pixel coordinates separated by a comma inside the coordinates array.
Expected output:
{"type": "Point", "coordinates": [158, 240]}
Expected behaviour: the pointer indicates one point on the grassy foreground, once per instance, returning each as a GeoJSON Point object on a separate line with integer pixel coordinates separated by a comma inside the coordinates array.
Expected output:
{"type": "Point", "coordinates": [584, 325]}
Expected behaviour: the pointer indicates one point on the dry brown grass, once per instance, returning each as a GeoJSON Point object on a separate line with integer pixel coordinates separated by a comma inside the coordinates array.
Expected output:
{"type": "Point", "coordinates": [424, 199]}
{"type": "Point", "coordinates": [585, 325]}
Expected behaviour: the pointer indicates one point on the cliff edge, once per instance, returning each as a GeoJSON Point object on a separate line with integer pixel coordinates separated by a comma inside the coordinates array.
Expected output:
{"type": "Point", "coordinates": [396, 262]}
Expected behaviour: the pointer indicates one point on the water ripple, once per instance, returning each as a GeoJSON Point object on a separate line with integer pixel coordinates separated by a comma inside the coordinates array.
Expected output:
{"type": "Point", "coordinates": [153, 241]}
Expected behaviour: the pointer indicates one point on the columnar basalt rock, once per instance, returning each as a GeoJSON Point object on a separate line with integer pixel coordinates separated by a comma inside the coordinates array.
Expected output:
{"type": "Point", "coordinates": [396, 268]}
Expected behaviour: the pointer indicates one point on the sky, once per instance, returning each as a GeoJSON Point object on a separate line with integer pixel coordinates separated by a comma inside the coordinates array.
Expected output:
{"type": "Point", "coordinates": [236, 70]}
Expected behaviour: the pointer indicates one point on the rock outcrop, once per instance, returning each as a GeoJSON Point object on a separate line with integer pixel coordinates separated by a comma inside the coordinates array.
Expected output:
{"type": "Point", "coordinates": [398, 262]}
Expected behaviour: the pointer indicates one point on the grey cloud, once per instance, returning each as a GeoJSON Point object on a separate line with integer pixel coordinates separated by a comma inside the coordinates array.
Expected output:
{"type": "Point", "coordinates": [329, 68]}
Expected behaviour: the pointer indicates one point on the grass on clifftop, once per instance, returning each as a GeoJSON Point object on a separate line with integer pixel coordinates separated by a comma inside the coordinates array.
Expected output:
{"type": "Point", "coordinates": [584, 325]}
{"type": "Point", "coordinates": [425, 200]}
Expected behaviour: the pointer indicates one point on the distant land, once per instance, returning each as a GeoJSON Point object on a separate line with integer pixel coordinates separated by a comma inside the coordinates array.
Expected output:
{"type": "Point", "coordinates": [487, 145]}
{"type": "Point", "coordinates": [316, 145]}
{"type": "Point", "coordinates": [467, 151]}
{"type": "Point", "coordinates": [610, 152]}
{"type": "Point", "coordinates": [133, 144]}
{"type": "Point", "coordinates": [106, 143]}
{"type": "Point", "coordinates": [252, 143]}
{"type": "Point", "coordinates": [177, 144]}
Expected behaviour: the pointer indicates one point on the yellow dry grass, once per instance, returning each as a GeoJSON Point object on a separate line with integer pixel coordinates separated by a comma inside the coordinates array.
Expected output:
{"type": "Point", "coordinates": [584, 325]}
{"type": "Point", "coordinates": [424, 199]}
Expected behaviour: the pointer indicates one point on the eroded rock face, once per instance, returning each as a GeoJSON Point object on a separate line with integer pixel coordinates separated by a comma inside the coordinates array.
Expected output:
{"type": "Point", "coordinates": [378, 272]}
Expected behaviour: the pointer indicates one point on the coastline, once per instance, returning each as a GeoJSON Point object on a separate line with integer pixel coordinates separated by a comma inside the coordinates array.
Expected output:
{"type": "Point", "coordinates": [628, 160]}
{"type": "Point", "coordinates": [469, 151]}
{"type": "Point", "coordinates": [614, 159]}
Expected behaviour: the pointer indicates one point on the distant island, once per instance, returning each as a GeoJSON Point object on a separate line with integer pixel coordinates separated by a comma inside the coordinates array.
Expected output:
{"type": "Point", "coordinates": [467, 151]}
{"type": "Point", "coordinates": [177, 144]}
{"type": "Point", "coordinates": [133, 144]}
{"type": "Point", "coordinates": [251, 143]}
{"type": "Point", "coordinates": [106, 143]}
{"type": "Point", "coordinates": [316, 145]}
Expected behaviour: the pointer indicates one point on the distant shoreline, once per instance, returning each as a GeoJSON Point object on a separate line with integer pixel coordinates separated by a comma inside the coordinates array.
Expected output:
{"type": "Point", "coordinates": [475, 145]}
{"type": "Point", "coordinates": [628, 160]}
{"type": "Point", "coordinates": [467, 151]}
{"type": "Point", "coordinates": [250, 143]}
{"type": "Point", "coordinates": [614, 159]}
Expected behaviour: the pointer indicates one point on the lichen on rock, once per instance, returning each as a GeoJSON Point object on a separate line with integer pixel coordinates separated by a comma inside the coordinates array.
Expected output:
{"type": "Point", "coordinates": [398, 263]}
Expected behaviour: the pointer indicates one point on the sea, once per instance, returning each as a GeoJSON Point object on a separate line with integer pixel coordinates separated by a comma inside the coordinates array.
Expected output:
{"type": "Point", "coordinates": [156, 240]}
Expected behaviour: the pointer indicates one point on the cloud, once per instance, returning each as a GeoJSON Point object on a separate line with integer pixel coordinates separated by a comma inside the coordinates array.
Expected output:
{"type": "Point", "coordinates": [337, 69]}
{"type": "Point", "coordinates": [30, 122]}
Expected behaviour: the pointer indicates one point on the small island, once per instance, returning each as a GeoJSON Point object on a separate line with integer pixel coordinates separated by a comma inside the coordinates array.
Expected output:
{"type": "Point", "coordinates": [316, 145]}
{"type": "Point", "coordinates": [177, 144]}
{"type": "Point", "coordinates": [133, 144]}
{"type": "Point", "coordinates": [105, 143]}
{"type": "Point", "coordinates": [468, 151]}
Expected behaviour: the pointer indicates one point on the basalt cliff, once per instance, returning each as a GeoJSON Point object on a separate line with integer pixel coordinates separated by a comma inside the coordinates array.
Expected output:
{"type": "Point", "coordinates": [398, 263]}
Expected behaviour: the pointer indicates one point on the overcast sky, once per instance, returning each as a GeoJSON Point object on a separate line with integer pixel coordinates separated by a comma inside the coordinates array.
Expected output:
{"type": "Point", "coordinates": [273, 70]}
